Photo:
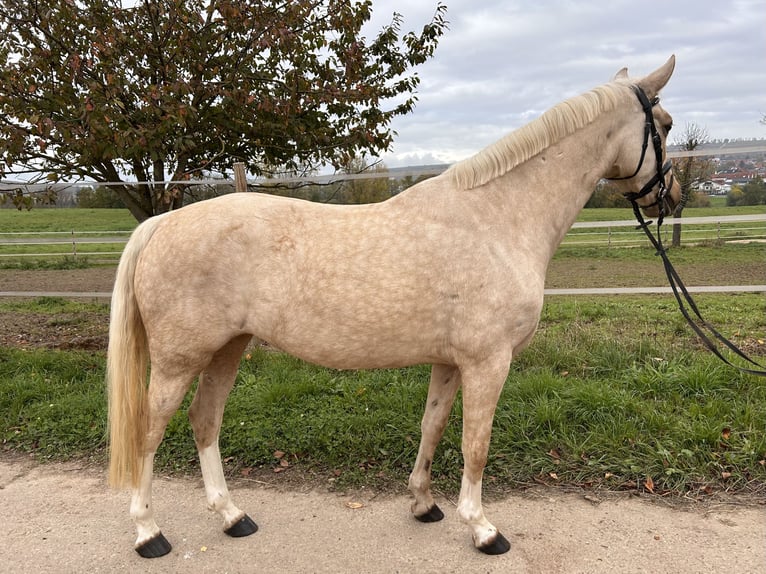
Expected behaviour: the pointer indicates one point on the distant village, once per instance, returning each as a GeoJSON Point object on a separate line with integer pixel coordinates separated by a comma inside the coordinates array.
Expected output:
{"type": "Point", "coordinates": [731, 169]}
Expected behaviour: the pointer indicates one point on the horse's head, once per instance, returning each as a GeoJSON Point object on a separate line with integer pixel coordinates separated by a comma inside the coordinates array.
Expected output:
{"type": "Point", "coordinates": [642, 171]}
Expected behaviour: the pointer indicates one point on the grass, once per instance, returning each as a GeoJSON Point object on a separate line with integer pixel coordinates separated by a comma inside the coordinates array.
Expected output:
{"type": "Point", "coordinates": [65, 220]}
{"type": "Point", "coordinates": [612, 392]}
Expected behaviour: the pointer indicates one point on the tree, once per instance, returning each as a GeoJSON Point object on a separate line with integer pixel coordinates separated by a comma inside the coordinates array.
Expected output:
{"type": "Point", "coordinates": [169, 88]}
{"type": "Point", "coordinates": [606, 195]}
{"type": "Point", "coordinates": [752, 193]}
{"type": "Point", "coordinates": [688, 170]}
{"type": "Point", "coordinates": [363, 190]}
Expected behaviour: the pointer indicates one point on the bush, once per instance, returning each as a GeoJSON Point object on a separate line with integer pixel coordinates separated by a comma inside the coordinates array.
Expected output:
{"type": "Point", "coordinates": [752, 193]}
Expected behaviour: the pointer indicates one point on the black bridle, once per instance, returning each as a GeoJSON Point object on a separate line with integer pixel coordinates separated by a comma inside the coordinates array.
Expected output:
{"type": "Point", "coordinates": [650, 132]}
{"type": "Point", "coordinates": [699, 325]}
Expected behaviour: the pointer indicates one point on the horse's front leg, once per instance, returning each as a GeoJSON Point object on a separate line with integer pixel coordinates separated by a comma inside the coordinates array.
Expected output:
{"type": "Point", "coordinates": [482, 385]}
{"type": "Point", "coordinates": [445, 381]}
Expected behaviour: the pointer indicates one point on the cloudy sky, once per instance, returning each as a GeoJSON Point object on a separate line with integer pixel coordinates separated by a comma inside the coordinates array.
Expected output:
{"type": "Point", "coordinates": [504, 62]}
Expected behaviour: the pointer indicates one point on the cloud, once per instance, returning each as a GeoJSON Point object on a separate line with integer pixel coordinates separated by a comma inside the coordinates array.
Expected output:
{"type": "Point", "coordinates": [502, 63]}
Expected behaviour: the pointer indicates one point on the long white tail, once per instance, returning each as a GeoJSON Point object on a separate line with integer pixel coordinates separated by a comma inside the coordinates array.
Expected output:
{"type": "Point", "coordinates": [127, 362]}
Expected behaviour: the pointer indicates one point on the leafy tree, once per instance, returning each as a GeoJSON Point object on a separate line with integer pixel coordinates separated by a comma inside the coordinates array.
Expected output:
{"type": "Point", "coordinates": [752, 193]}
{"type": "Point", "coordinates": [688, 170]}
{"type": "Point", "coordinates": [169, 88]}
{"type": "Point", "coordinates": [606, 195]}
{"type": "Point", "coordinates": [99, 197]}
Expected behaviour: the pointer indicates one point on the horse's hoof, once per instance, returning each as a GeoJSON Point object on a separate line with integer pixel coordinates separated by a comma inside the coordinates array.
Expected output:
{"type": "Point", "coordinates": [433, 514]}
{"type": "Point", "coordinates": [242, 527]}
{"type": "Point", "coordinates": [499, 545]}
{"type": "Point", "coordinates": [154, 547]}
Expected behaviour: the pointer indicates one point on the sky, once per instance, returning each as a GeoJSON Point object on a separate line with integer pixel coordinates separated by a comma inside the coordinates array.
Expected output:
{"type": "Point", "coordinates": [504, 62]}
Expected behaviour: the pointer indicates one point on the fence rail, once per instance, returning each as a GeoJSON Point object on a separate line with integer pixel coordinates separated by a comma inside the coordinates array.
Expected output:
{"type": "Point", "coordinates": [101, 245]}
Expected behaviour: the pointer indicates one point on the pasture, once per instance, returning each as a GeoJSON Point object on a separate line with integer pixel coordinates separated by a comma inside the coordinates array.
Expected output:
{"type": "Point", "coordinates": [614, 392]}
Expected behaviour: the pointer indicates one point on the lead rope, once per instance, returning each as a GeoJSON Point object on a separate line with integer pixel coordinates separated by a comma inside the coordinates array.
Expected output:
{"type": "Point", "coordinates": [682, 294]}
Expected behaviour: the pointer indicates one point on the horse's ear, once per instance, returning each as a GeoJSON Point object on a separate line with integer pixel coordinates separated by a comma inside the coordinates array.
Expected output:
{"type": "Point", "coordinates": [621, 75]}
{"type": "Point", "coordinates": [655, 81]}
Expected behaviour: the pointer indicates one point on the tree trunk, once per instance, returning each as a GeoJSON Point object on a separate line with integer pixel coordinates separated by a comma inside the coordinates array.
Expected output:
{"type": "Point", "coordinates": [676, 241]}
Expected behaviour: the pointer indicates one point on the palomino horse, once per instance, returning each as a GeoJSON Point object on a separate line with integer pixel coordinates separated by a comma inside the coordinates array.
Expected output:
{"type": "Point", "coordinates": [450, 273]}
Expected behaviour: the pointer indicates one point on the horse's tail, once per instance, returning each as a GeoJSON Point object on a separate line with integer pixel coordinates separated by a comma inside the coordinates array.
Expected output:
{"type": "Point", "coordinates": [127, 362]}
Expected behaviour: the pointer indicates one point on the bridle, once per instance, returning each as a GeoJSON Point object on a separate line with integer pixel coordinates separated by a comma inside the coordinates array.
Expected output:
{"type": "Point", "coordinates": [699, 325]}
{"type": "Point", "coordinates": [650, 130]}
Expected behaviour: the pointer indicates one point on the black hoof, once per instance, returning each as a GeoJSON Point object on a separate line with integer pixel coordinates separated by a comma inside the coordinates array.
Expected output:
{"type": "Point", "coordinates": [433, 514]}
{"type": "Point", "coordinates": [154, 547]}
{"type": "Point", "coordinates": [499, 545]}
{"type": "Point", "coordinates": [243, 527]}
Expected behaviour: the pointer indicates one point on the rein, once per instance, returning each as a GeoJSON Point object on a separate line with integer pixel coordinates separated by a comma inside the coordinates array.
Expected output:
{"type": "Point", "coordinates": [700, 326]}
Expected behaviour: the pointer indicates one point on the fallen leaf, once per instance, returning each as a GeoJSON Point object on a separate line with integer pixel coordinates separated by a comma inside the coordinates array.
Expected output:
{"type": "Point", "coordinates": [283, 463]}
{"type": "Point", "coordinates": [554, 454]}
{"type": "Point", "coordinates": [657, 537]}
{"type": "Point", "coordinates": [725, 475]}
{"type": "Point", "coordinates": [726, 433]}
{"type": "Point", "coordinates": [608, 475]}
{"type": "Point", "coordinates": [203, 549]}
{"type": "Point", "coordinates": [553, 475]}
{"type": "Point", "coordinates": [649, 484]}
{"type": "Point", "coordinates": [278, 454]}
{"type": "Point", "coordinates": [246, 471]}
{"type": "Point", "coordinates": [354, 505]}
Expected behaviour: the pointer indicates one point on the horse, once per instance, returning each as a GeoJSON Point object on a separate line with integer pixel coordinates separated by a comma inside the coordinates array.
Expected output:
{"type": "Point", "coordinates": [449, 272]}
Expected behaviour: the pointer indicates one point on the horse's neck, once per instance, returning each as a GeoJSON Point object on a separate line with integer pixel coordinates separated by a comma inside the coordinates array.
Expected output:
{"type": "Point", "coordinates": [545, 194]}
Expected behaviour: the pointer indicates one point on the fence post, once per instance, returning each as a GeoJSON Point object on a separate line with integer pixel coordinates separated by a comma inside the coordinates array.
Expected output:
{"type": "Point", "coordinates": [74, 245]}
{"type": "Point", "coordinates": [240, 179]}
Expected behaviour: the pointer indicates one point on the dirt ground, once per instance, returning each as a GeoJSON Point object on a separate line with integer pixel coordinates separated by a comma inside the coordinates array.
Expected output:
{"type": "Point", "coordinates": [82, 330]}
{"type": "Point", "coordinates": [62, 518]}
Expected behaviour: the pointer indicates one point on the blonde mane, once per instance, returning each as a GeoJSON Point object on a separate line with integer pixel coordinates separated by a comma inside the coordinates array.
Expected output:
{"type": "Point", "coordinates": [517, 147]}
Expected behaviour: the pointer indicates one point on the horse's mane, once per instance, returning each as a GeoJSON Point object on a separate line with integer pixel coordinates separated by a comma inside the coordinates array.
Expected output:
{"type": "Point", "coordinates": [517, 147]}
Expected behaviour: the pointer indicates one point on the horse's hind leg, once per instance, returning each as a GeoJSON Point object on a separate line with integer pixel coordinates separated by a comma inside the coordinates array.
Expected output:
{"type": "Point", "coordinates": [164, 397]}
{"type": "Point", "coordinates": [205, 414]}
{"type": "Point", "coordinates": [445, 381]}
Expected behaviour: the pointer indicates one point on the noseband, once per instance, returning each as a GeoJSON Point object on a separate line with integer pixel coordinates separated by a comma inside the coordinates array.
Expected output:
{"type": "Point", "coordinates": [650, 130]}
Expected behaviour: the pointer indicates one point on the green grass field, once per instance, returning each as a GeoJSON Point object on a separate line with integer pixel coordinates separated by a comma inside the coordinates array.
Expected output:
{"type": "Point", "coordinates": [65, 220]}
